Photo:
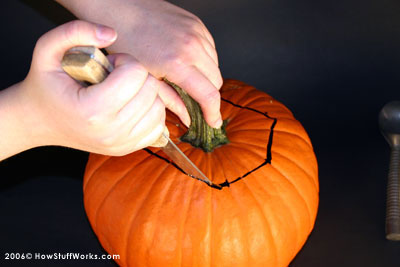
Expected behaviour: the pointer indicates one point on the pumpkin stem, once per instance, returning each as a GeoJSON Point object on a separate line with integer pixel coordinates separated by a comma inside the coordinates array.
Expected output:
{"type": "Point", "coordinates": [200, 134]}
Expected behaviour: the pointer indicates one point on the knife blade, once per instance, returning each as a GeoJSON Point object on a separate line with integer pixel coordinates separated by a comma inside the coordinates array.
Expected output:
{"type": "Point", "coordinates": [187, 166]}
{"type": "Point", "coordinates": [87, 64]}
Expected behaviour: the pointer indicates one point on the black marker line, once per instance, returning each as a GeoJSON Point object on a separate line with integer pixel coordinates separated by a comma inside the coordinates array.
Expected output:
{"type": "Point", "coordinates": [267, 160]}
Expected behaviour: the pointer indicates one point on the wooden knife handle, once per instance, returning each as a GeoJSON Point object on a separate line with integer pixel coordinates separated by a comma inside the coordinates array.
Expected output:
{"type": "Point", "coordinates": [88, 64]}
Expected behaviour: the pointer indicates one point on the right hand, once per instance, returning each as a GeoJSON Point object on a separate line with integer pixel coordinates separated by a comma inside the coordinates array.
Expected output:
{"type": "Point", "coordinates": [120, 115]}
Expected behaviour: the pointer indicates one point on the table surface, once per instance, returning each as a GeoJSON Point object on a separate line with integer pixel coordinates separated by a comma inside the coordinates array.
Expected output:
{"type": "Point", "coordinates": [335, 64]}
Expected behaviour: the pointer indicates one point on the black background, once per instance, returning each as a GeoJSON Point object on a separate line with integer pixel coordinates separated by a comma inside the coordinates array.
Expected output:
{"type": "Point", "coordinates": [333, 63]}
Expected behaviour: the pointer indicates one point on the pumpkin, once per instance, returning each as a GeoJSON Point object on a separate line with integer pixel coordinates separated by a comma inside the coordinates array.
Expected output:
{"type": "Point", "coordinates": [142, 207]}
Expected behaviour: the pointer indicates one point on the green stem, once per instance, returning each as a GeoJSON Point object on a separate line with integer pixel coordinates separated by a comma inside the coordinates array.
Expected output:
{"type": "Point", "coordinates": [200, 134]}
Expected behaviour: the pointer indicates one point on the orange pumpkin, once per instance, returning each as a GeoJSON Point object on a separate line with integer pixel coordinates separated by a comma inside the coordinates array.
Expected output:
{"type": "Point", "coordinates": [150, 213]}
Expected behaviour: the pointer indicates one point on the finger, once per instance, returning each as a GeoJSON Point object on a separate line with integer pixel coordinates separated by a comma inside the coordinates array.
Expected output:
{"type": "Point", "coordinates": [140, 105]}
{"type": "Point", "coordinates": [203, 91]}
{"type": "Point", "coordinates": [210, 69]}
{"type": "Point", "coordinates": [207, 41]}
{"type": "Point", "coordinates": [197, 54]}
{"type": "Point", "coordinates": [174, 103]}
{"type": "Point", "coordinates": [121, 85]}
{"type": "Point", "coordinates": [208, 36]}
{"type": "Point", "coordinates": [51, 47]}
{"type": "Point", "coordinates": [205, 31]}
{"type": "Point", "coordinates": [210, 50]}
{"type": "Point", "coordinates": [150, 127]}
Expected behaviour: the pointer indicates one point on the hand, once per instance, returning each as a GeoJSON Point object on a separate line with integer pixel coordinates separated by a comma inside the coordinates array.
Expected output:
{"type": "Point", "coordinates": [169, 41]}
{"type": "Point", "coordinates": [120, 115]}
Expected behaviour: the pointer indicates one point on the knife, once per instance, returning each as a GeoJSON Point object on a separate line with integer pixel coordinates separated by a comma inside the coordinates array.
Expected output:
{"type": "Point", "coordinates": [87, 64]}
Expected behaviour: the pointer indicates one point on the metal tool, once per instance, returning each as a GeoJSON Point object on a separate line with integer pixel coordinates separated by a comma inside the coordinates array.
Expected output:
{"type": "Point", "coordinates": [88, 64]}
{"type": "Point", "coordinates": [389, 122]}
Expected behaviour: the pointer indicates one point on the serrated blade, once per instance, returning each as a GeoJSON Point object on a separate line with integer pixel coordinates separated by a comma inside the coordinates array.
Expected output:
{"type": "Point", "coordinates": [183, 162]}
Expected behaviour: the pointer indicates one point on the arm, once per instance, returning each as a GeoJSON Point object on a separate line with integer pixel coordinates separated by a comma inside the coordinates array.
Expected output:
{"type": "Point", "coordinates": [169, 41]}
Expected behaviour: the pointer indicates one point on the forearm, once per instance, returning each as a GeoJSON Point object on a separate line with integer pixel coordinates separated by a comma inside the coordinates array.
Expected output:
{"type": "Point", "coordinates": [112, 13]}
{"type": "Point", "coordinates": [17, 129]}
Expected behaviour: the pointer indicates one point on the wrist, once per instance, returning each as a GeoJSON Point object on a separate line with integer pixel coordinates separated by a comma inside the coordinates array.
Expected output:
{"type": "Point", "coordinates": [18, 129]}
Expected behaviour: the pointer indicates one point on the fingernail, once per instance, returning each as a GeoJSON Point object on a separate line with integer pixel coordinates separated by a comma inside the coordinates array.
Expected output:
{"type": "Point", "coordinates": [218, 123]}
{"type": "Point", "coordinates": [105, 33]}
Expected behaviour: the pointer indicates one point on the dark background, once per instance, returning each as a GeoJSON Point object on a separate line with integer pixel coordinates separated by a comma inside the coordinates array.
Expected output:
{"type": "Point", "coordinates": [333, 63]}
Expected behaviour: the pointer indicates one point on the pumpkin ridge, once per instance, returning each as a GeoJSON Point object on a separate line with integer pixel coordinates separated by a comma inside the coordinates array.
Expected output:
{"type": "Point", "coordinates": [265, 162]}
{"type": "Point", "coordinates": [138, 211]}
{"type": "Point", "coordinates": [92, 174]}
{"type": "Point", "coordinates": [295, 135]}
{"type": "Point", "coordinates": [233, 197]}
{"type": "Point", "coordinates": [257, 201]}
{"type": "Point", "coordinates": [296, 189]}
{"type": "Point", "coordinates": [249, 146]}
{"type": "Point", "coordinates": [166, 160]}
{"type": "Point", "coordinates": [244, 107]}
{"type": "Point", "coordinates": [243, 237]}
{"type": "Point", "coordinates": [258, 101]}
{"type": "Point", "coordinates": [90, 171]}
{"type": "Point", "coordinates": [210, 225]}
{"type": "Point", "coordinates": [286, 207]}
{"type": "Point", "coordinates": [183, 225]}
{"type": "Point", "coordinates": [285, 122]}
{"type": "Point", "coordinates": [111, 190]}
{"type": "Point", "coordinates": [178, 168]}
{"type": "Point", "coordinates": [250, 96]}
{"type": "Point", "coordinates": [246, 130]}
{"type": "Point", "coordinates": [297, 193]}
{"type": "Point", "coordinates": [217, 156]}
{"type": "Point", "coordinates": [256, 140]}
{"type": "Point", "coordinates": [301, 168]}
{"type": "Point", "coordinates": [131, 224]}
{"type": "Point", "coordinates": [268, 229]}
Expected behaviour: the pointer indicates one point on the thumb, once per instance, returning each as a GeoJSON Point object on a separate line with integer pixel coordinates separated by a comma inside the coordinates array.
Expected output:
{"type": "Point", "coordinates": [50, 48]}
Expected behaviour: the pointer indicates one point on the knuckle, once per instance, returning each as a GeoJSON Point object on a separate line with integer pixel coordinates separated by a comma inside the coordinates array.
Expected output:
{"type": "Point", "coordinates": [116, 151]}
{"type": "Point", "coordinates": [219, 81]}
{"type": "Point", "coordinates": [119, 153]}
{"type": "Point", "coordinates": [194, 22]}
{"type": "Point", "coordinates": [158, 133]}
{"type": "Point", "coordinates": [186, 52]}
{"type": "Point", "coordinates": [160, 107]}
{"type": "Point", "coordinates": [197, 19]}
{"type": "Point", "coordinates": [153, 85]}
{"type": "Point", "coordinates": [190, 39]}
{"type": "Point", "coordinates": [212, 98]}
{"type": "Point", "coordinates": [72, 30]}
{"type": "Point", "coordinates": [136, 70]}
{"type": "Point", "coordinates": [94, 119]}
{"type": "Point", "coordinates": [155, 139]}
{"type": "Point", "coordinates": [177, 60]}
{"type": "Point", "coordinates": [95, 123]}
{"type": "Point", "coordinates": [108, 142]}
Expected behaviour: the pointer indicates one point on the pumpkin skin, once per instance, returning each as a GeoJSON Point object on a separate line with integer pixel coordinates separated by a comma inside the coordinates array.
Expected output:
{"type": "Point", "coordinates": [144, 209]}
